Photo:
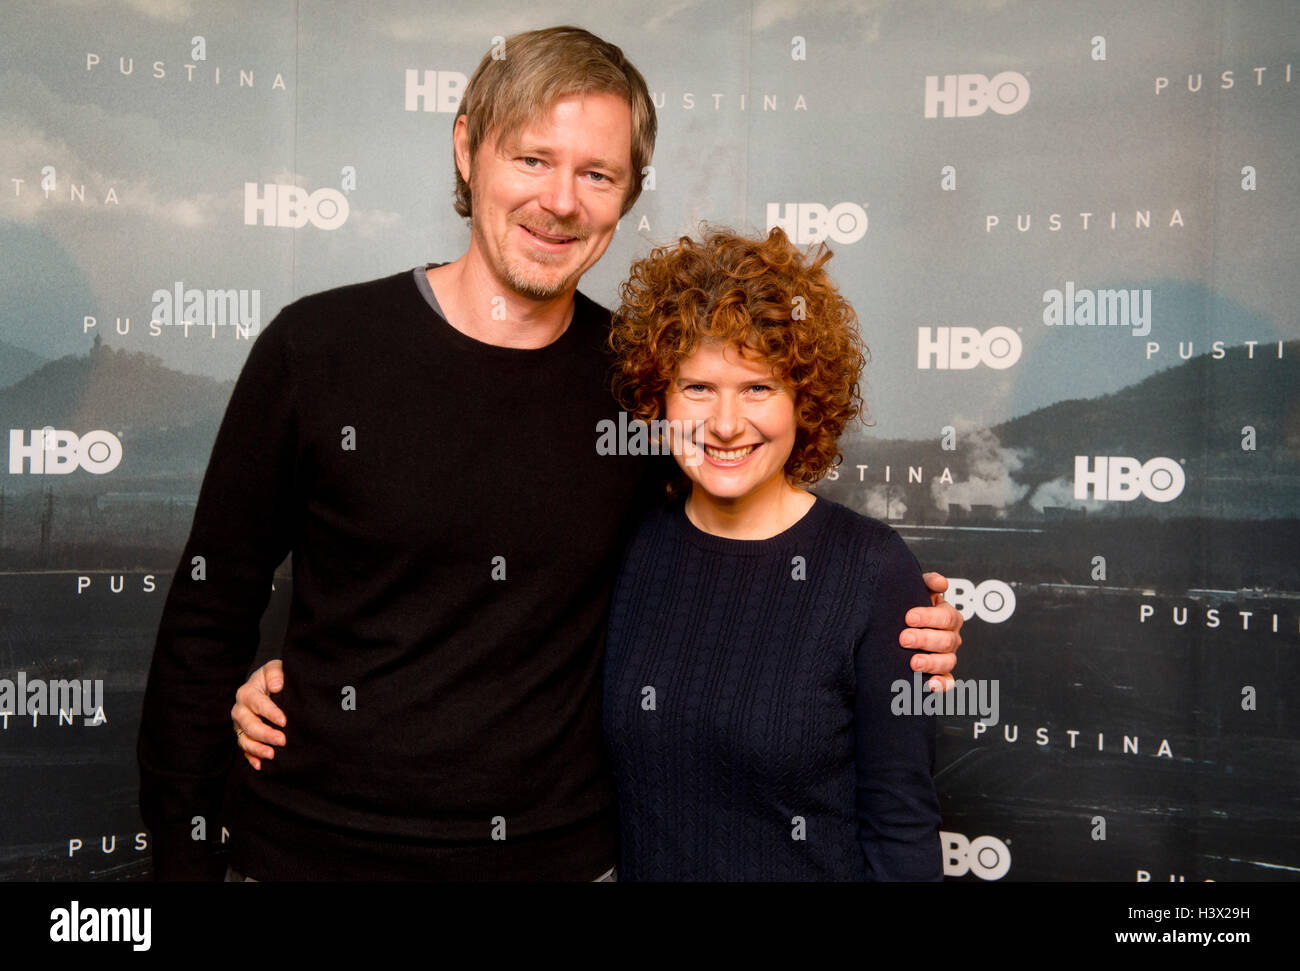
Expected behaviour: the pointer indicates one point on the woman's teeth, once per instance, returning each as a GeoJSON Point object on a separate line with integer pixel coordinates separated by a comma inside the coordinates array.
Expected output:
{"type": "Point", "coordinates": [728, 455]}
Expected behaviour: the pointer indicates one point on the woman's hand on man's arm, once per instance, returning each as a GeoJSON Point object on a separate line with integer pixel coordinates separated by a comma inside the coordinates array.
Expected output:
{"type": "Point", "coordinates": [256, 716]}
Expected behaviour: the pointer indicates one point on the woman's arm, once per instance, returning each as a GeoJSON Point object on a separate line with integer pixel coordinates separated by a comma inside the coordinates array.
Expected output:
{"type": "Point", "coordinates": [898, 811]}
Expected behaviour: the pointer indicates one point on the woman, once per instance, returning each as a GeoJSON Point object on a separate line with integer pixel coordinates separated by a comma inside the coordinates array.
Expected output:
{"type": "Point", "coordinates": [752, 639]}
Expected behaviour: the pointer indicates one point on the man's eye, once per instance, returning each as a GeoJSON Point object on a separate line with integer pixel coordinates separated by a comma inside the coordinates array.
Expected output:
{"type": "Point", "coordinates": [600, 176]}
{"type": "Point", "coordinates": [531, 161]}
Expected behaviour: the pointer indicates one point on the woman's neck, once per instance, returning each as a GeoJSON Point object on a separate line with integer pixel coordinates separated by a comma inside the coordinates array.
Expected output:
{"type": "Point", "coordinates": [760, 515]}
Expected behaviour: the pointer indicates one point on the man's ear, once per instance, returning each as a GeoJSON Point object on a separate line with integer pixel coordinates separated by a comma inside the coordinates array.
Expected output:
{"type": "Point", "coordinates": [460, 143]}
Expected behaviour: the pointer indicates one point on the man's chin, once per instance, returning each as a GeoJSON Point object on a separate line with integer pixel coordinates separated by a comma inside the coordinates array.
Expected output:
{"type": "Point", "coordinates": [539, 286]}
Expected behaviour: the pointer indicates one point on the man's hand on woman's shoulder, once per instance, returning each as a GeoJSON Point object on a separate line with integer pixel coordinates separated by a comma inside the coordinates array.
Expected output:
{"type": "Point", "coordinates": [934, 633]}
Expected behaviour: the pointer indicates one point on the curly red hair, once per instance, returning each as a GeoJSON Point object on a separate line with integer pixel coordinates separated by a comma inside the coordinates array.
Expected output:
{"type": "Point", "coordinates": [760, 294]}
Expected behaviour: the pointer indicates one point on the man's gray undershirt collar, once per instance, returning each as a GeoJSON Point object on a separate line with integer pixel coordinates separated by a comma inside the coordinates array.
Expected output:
{"type": "Point", "coordinates": [426, 291]}
{"type": "Point", "coordinates": [422, 283]}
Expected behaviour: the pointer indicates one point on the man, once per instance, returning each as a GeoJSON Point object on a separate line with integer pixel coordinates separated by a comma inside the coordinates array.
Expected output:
{"type": "Point", "coordinates": [424, 445]}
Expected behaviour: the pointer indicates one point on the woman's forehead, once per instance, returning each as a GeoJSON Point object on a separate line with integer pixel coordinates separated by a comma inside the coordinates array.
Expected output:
{"type": "Point", "coordinates": [720, 356]}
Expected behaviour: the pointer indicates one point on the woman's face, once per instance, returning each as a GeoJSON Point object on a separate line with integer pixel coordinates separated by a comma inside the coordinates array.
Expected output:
{"type": "Point", "coordinates": [743, 419]}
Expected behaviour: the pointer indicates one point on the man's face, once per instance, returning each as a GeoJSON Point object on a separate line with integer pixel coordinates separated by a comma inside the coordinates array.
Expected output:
{"type": "Point", "coordinates": [547, 198]}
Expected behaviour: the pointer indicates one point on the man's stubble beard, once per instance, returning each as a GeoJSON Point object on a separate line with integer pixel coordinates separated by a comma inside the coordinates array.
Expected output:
{"type": "Point", "coordinates": [518, 278]}
{"type": "Point", "coordinates": [519, 281]}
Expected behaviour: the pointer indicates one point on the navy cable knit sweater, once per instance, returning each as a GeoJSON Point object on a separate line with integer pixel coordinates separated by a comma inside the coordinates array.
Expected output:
{"type": "Point", "coordinates": [747, 705]}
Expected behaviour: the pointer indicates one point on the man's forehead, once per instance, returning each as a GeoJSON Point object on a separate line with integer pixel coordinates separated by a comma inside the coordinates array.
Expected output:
{"type": "Point", "coordinates": [541, 126]}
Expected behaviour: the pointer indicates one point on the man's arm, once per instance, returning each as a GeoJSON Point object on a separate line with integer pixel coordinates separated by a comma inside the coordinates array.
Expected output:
{"type": "Point", "coordinates": [243, 527]}
{"type": "Point", "coordinates": [935, 629]}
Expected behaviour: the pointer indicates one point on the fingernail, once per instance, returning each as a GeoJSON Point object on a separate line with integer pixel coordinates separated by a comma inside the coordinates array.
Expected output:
{"type": "Point", "coordinates": [908, 638]}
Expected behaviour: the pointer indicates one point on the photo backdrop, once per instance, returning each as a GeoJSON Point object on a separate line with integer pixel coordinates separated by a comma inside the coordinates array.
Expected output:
{"type": "Point", "coordinates": [1070, 233]}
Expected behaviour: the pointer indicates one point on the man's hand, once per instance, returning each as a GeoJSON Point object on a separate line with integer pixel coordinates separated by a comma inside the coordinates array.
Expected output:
{"type": "Point", "coordinates": [934, 632]}
{"type": "Point", "coordinates": [254, 712]}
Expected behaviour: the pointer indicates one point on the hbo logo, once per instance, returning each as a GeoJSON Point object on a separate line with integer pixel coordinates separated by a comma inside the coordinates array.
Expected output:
{"type": "Point", "coordinates": [438, 91]}
{"type": "Point", "coordinates": [1123, 479]}
{"type": "Point", "coordinates": [962, 348]}
{"type": "Point", "coordinates": [811, 222]}
{"type": "Point", "coordinates": [968, 95]}
{"type": "Point", "coordinates": [291, 206]}
{"type": "Point", "coordinates": [55, 452]}
{"type": "Point", "coordinates": [992, 601]}
{"type": "Point", "coordinates": [985, 856]}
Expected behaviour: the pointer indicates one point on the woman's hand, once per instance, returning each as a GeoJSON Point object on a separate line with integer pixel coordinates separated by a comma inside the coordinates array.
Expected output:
{"type": "Point", "coordinates": [933, 632]}
{"type": "Point", "coordinates": [255, 714]}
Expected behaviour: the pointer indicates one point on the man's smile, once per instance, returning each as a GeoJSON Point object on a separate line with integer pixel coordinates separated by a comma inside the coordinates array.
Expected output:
{"type": "Point", "coordinates": [549, 237]}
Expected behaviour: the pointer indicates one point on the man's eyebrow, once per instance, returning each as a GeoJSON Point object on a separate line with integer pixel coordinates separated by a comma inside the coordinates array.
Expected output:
{"type": "Point", "coordinates": [600, 163]}
{"type": "Point", "coordinates": [525, 148]}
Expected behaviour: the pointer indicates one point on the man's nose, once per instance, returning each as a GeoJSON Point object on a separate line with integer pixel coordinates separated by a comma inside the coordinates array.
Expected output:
{"type": "Point", "coordinates": [559, 196]}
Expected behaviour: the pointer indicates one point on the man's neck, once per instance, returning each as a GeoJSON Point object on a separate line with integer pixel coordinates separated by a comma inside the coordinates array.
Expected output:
{"type": "Point", "coordinates": [479, 306]}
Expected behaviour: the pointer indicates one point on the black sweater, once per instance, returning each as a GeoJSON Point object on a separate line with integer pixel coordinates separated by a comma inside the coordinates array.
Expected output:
{"type": "Point", "coordinates": [455, 537]}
